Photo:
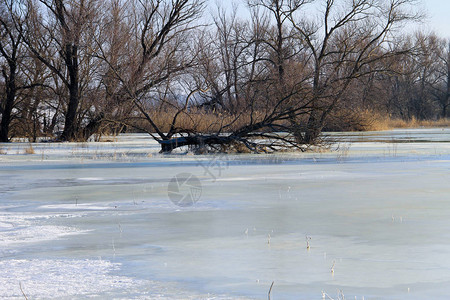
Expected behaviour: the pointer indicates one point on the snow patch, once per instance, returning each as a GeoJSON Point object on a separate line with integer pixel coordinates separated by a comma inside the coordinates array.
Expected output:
{"type": "Point", "coordinates": [81, 206]}
{"type": "Point", "coordinates": [82, 279]}
{"type": "Point", "coordinates": [90, 179]}
{"type": "Point", "coordinates": [49, 279]}
{"type": "Point", "coordinates": [16, 229]}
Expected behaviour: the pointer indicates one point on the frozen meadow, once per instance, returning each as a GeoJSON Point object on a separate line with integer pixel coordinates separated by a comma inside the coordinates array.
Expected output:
{"type": "Point", "coordinates": [369, 220]}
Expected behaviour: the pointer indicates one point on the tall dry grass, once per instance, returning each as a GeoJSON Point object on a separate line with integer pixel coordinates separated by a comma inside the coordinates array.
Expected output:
{"type": "Point", "coordinates": [367, 120]}
{"type": "Point", "coordinates": [199, 121]}
{"type": "Point", "coordinates": [386, 123]}
{"type": "Point", "coordinates": [414, 123]}
{"type": "Point", "coordinates": [355, 120]}
{"type": "Point", "coordinates": [341, 120]}
{"type": "Point", "coordinates": [29, 149]}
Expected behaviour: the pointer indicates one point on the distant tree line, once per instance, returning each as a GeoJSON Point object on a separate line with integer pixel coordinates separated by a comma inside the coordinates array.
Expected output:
{"type": "Point", "coordinates": [73, 69]}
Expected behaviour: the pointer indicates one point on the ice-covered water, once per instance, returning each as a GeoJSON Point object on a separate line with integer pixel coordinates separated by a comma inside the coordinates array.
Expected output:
{"type": "Point", "coordinates": [94, 220]}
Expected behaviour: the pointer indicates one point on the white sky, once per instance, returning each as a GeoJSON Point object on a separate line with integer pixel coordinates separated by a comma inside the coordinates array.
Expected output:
{"type": "Point", "coordinates": [437, 11]}
{"type": "Point", "coordinates": [438, 16]}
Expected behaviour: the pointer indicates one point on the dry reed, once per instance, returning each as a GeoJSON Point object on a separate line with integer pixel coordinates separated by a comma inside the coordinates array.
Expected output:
{"type": "Point", "coordinates": [29, 149]}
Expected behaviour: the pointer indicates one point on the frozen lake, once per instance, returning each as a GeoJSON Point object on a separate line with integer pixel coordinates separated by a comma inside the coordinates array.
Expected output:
{"type": "Point", "coordinates": [96, 220]}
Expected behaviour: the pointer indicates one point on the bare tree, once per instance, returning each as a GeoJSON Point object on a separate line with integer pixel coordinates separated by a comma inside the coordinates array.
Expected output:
{"type": "Point", "coordinates": [279, 41]}
{"type": "Point", "coordinates": [160, 49]}
{"type": "Point", "coordinates": [442, 91]}
{"type": "Point", "coordinates": [255, 105]}
{"type": "Point", "coordinates": [419, 81]}
{"type": "Point", "coordinates": [11, 51]}
{"type": "Point", "coordinates": [57, 34]}
{"type": "Point", "coordinates": [349, 37]}
{"type": "Point", "coordinates": [329, 56]}
{"type": "Point", "coordinates": [446, 102]}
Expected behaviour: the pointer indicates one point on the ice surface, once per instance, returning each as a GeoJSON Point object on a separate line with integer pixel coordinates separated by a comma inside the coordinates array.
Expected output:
{"type": "Point", "coordinates": [93, 220]}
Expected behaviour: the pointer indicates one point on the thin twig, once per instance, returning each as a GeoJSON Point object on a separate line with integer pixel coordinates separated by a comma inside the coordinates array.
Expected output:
{"type": "Point", "coordinates": [23, 293]}
{"type": "Point", "coordinates": [270, 290]}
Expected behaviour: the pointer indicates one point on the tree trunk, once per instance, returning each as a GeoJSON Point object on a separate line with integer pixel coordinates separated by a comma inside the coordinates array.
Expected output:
{"type": "Point", "coordinates": [70, 129]}
{"type": "Point", "coordinates": [313, 128]}
{"type": "Point", "coordinates": [168, 146]}
{"type": "Point", "coordinates": [6, 120]}
{"type": "Point", "coordinates": [447, 96]}
{"type": "Point", "coordinates": [9, 105]}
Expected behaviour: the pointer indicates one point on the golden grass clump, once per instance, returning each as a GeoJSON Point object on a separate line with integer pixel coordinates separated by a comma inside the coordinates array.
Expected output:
{"type": "Point", "coordinates": [29, 149]}
{"type": "Point", "coordinates": [199, 120]}
{"type": "Point", "coordinates": [356, 120]}
{"type": "Point", "coordinates": [414, 123]}
{"type": "Point", "coordinates": [368, 120]}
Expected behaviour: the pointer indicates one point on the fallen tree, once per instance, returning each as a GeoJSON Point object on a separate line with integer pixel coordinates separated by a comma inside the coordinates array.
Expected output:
{"type": "Point", "coordinates": [271, 87]}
